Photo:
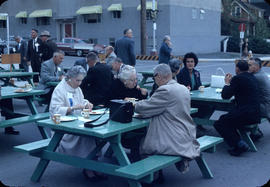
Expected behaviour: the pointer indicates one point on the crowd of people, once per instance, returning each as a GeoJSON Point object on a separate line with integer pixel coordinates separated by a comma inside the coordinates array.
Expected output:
{"type": "Point", "coordinates": [90, 83]}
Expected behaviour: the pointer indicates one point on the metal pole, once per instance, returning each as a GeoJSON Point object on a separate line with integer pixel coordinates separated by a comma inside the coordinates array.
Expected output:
{"type": "Point", "coordinates": [7, 34]}
{"type": "Point", "coordinates": [241, 43]}
{"type": "Point", "coordinates": [154, 50]}
{"type": "Point", "coordinates": [143, 27]}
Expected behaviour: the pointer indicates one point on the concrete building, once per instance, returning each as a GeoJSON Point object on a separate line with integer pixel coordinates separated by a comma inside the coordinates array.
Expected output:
{"type": "Point", "coordinates": [193, 25]}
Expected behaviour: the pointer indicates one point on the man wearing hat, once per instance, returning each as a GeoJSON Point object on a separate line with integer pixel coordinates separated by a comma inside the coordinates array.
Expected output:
{"type": "Point", "coordinates": [48, 46]}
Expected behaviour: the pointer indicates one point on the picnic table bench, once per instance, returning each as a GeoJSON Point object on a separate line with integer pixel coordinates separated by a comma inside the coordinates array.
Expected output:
{"type": "Point", "coordinates": [6, 76]}
{"type": "Point", "coordinates": [111, 132]}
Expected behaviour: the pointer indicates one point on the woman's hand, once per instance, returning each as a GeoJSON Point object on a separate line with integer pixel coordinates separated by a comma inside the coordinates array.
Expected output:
{"type": "Point", "coordinates": [189, 88]}
{"type": "Point", "coordinates": [78, 107]}
{"type": "Point", "coordinates": [89, 106]}
{"type": "Point", "coordinates": [143, 91]}
{"type": "Point", "coordinates": [228, 78]}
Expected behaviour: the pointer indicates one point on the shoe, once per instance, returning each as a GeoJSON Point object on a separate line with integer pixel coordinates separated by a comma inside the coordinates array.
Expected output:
{"type": "Point", "coordinates": [241, 147]}
{"type": "Point", "coordinates": [182, 166]}
{"type": "Point", "coordinates": [94, 176]}
{"type": "Point", "coordinates": [11, 130]}
{"type": "Point", "coordinates": [257, 136]}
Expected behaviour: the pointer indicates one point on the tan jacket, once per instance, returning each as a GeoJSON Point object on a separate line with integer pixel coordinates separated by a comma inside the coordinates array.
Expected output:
{"type": "Point", "coordinates": [171, 130]}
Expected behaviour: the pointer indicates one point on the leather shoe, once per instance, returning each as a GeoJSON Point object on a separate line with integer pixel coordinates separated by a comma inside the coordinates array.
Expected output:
{"type": "Point", "coordinates": [94, 176]}
{"type": "Point", "coordinates": [239, 149]}
{"type": "Point", "coordinates": [11, 130]}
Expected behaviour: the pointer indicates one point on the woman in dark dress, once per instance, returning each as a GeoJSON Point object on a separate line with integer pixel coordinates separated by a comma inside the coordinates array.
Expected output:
{"type": "Point", "coordinates": [126, 85]}
{"type": "Point", "coordinates": [189, 76]}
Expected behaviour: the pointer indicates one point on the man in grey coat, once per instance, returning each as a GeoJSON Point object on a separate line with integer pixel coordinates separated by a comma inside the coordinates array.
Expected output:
{"type": "Point", "coordinates": [171, 130]}
{"type": "Point", "coordinates": [21, 48]}
{"type": "Point", "coordinates": [51, 71]}
{"type": "Point", "coordinates": [124, 48]}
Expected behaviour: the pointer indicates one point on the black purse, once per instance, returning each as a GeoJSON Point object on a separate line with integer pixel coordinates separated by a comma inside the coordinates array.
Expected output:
{"type": "Point", "coordinates": [120, 111]}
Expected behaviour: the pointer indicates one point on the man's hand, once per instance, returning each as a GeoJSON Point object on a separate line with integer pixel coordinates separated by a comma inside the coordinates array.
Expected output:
{"type": "Point", "coordinates": [143, 91]}
{"type": "Point", "coordinates": [228, 78]}
{"type": "Point", "coordinates": [189, 88]}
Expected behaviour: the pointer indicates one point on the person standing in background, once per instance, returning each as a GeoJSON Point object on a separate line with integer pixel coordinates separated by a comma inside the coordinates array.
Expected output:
{"type": "Point", "coordinates": [124, 48]}
{"type": "Point", "coordinates": [34, 53]}
{"type": "Point", "coordinates": [165, 50]}
{"type": "Point", "coordinates": [48, 46]}
{"type": "Point", "coordinates": [21, 48]}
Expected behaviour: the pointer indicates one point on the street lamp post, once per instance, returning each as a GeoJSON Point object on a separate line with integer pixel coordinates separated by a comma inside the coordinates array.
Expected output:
{"type": "Point", "coordinates": [154, 16]}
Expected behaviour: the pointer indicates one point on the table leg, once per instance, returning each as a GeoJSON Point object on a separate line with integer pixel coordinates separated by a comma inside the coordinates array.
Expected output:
{"type": "Point", "coordinates": [43, 163]}
{"type": "Point", "coordinates": [31, 105]}
{"type": "Point", "coordinates": [30, 80]}
{"type": "Point", "coordinates": [121, 156]}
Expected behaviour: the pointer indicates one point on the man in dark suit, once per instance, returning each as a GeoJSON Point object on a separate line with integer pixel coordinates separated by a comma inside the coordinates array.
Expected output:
{"type": "Point", "coordinates": [244, 88]}
{"type": "Point", "coordinates": [34, 53]}
{"type": "Point", "coordinates": [165, 50]}
{"type": "Point", "coordinates": [97, 83]}
{"type": "Point", "coordinates": [21, 48]}
{"type": "Point", "coordinates": [124, 48]}
{"type": "Point", "coordinates": [48, 46]}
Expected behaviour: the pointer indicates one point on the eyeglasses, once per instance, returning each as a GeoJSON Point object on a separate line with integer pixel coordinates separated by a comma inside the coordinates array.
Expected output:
{"type": "Point", "coordinates": [156, 74]}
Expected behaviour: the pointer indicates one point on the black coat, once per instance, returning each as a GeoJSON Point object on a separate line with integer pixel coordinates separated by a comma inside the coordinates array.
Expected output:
{"type": "Point", "coordinates": [32, 54]}
{"type": "Point", "coordinates": [48, 48]}
{"type": "Point", "coordinates": [245, 91]}
{"type": "Point", "coordinates": [164, 53]}
{"type": "Point", "coordinates": [96, 86]}
{"type": "Point", "coordinates": [22, 50]}
{"type": "Point", "coordinates": [183, 77]}
{"type": "Point", "coordinates": [124, 49]}
{"type": "Point", "coordinates": [119, 91]}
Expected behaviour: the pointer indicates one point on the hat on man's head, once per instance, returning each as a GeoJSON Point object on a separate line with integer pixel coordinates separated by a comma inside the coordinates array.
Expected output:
{"type": "Point", "coordinates": [45, 33]}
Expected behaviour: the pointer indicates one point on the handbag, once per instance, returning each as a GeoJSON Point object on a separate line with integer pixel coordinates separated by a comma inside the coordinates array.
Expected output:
{"type": "Point", "coordinates": [121, 111]}
{"type": "Point", "coordinates": [218, 81]}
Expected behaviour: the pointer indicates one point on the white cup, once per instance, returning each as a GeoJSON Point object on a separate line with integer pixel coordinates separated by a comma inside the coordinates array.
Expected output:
{"type": "Point", "coordinates": [85, 113]}
{"type": "Point", "coordinates": [56, 118]}
{"type": "Point", "coordinates": [201, 88]}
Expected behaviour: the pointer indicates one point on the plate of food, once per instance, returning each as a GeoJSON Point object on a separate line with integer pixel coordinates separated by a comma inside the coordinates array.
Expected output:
{"type": "Point", "coordinates": [96, 112]}
{"type": "Point", "coordinates": [218, 90]}
{"type": "Point", "coordinates": [67, 118]}
{"type": "Point", "coordinates": [20, 90]}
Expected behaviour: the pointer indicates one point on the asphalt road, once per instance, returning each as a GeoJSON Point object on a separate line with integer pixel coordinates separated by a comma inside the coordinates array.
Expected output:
{"type": "Point", "coordinates": [250, 170]}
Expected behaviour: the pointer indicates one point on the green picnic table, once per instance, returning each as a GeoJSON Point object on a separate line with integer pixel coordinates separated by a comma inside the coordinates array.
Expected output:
{"type": "Point", "coordinates": [9, 93]}
{"type": "Point", "coordinates": [53, 84]}
{"type": "Point", "coordinates": [212, 97]}
{"type": "Point", "coordinates": [148, 78]}
{"type": "Point", "coordinates": [111, 132]}
{"type": "Point", "coordinates": [6, 76]}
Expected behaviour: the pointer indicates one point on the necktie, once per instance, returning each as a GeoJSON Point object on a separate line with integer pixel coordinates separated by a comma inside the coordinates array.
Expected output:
{"type": "Point", "coordinates": [34, 44]}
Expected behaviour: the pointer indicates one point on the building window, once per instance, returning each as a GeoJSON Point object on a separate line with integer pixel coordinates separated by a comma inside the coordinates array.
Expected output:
{"type": "Point", "coordinates": [194, 13]}
{"type": "Point", "coordinates": [260, 14]}
{"type": "Point", "coordinates": [93, 40]}
{"type": "Point", "coordinates": [92, 18]}
{"type": "Point", "coordinates": [3, 24]}
{"type": "Point", "coordinates": [237, 11]}
{"type": "Point", "coordinates": [116, 14]}
{"type": "Point", "coordinates": [112, 41]}
{"type": "Point", "coordinates": [202, 12]}
{"type": "Point", "coordinates": [23, 20]}
{"type": "Point", "coordinates": [43, 21]}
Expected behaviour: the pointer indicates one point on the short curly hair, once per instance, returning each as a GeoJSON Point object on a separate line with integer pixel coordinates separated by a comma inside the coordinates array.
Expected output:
{"type": "Point", "coordinates": [190, 55]}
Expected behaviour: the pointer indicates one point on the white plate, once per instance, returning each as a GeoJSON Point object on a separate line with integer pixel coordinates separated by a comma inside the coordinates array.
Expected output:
{"type": "Point", "coordinates": [22, 90]}
{"type": "Point", "coordinates": [97, 112]}
{"type": "Point", "coordinates": [218, 90]}
{"type": "Point", "coordinates": [67, 118]}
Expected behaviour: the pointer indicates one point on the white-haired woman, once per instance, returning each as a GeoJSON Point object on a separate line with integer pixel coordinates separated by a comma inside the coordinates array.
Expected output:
{"type": "Point", "coordinates": [68, 98]}
{"type": "Point", "coordinates": [126, 85]}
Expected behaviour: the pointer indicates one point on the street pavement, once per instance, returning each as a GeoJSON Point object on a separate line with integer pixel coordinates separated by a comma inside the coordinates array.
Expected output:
{"type": "Point", "coordinates": [250, 170]}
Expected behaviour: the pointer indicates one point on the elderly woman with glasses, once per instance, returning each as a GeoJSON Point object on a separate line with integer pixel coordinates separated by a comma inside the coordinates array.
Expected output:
{"type": "Point", "coordinates": [68, 99]}
{"type": "Point", "coordinates": [189, 76]}
{"type": "Point", "coordinates": [126, 85]}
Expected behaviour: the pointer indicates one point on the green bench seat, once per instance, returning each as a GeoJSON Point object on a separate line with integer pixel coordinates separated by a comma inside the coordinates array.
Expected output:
{"type": "Point", "coordinates": [33, 147]}
{"type": "Point", "coordinates": [245, 134]}
{"type": "Point", "coordinates": [25, 119]}
{"type": "Point", "coordinates": [146, 167]}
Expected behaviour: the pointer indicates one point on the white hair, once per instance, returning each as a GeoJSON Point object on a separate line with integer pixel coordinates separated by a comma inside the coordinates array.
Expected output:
{"type": "Point", "coordinates": [126, 72]}
{"type": "Point", "coordinates": [163, 70]}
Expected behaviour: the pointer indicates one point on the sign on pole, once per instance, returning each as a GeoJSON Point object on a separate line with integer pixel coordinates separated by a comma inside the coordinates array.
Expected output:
{"type": "Point", "coordinates": [242, 27]}
{"type": "Point", "coordinates": [242, 34]}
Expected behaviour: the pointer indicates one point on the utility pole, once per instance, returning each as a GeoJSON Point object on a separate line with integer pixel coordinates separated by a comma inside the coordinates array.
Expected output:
{"type": "Point", "coordinates": [143, 27]}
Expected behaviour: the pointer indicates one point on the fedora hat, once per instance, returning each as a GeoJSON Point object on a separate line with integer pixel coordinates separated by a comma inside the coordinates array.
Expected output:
{"type": "Point", "coordinates": [45, 33]}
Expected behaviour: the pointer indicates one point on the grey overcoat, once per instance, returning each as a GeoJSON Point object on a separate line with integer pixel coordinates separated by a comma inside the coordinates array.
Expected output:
{"type": "Point", "coordinates": [171, 130]}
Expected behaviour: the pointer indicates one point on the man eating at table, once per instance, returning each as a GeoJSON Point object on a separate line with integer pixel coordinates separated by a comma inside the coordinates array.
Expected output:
{"type": "Point", "coordinates": [171, 130]}
{"type": "Point", "coordinates": [244, 88]}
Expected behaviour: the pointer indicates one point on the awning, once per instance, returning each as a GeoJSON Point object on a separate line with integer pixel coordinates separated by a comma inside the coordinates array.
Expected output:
{"type": "Point", "coordinates": [90, 10]}
{"type": "Point", "coordinates": [41, 13]}
{"type": "Point", "coordinates": [21, 14]}
{"type": "Point", "coordinates": [3, 18]}
{"type": "Point", "coordinates": [115, 7]}
{"type": "Point", "coordinates": [149, 5]}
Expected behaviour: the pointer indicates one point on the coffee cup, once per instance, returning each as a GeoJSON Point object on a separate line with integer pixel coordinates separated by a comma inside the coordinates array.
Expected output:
{"type": "Point", "coordinates": [56, 118]}
{"type": "Point", "coordinates": [201, 88]}
{"type": "Point", "coordinates": [85, 113]}
{"type": "Point", "coordinates": [28, 86]}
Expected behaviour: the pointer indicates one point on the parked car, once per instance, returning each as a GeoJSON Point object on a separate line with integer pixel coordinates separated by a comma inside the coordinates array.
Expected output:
{"type": "Point", "coordinates": [3, 45]}
{"type": "Point", "coordinates": [75, 46]}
